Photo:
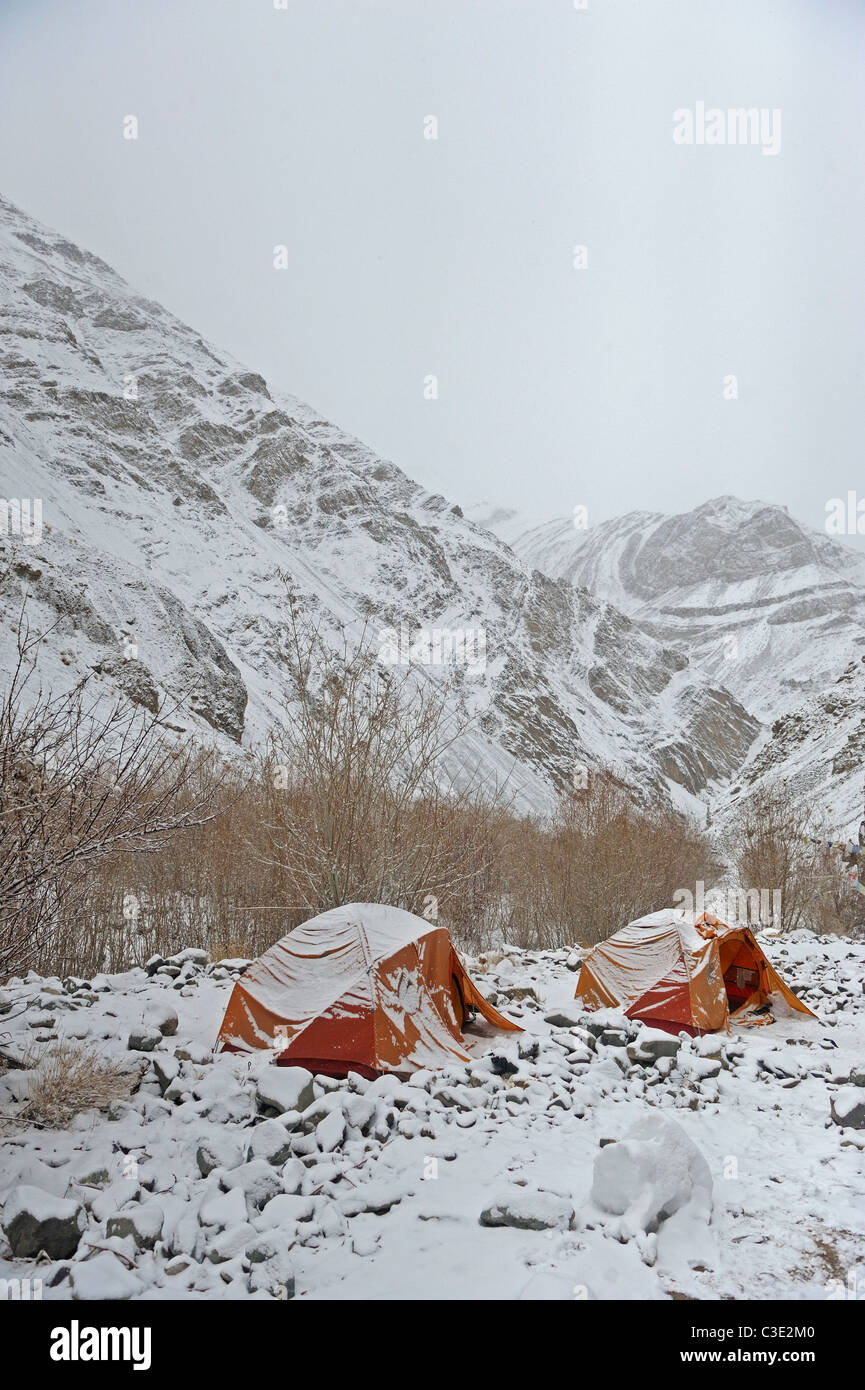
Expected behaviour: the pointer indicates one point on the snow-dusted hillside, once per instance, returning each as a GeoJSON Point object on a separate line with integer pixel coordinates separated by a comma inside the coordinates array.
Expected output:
{"type": "Point", "coordinates": [769, 609]}
{"type": "Point", "coordinates": [818, 749]}
{"type": "Point", "coordinates": [182, 498]}
{"type": "Point", "coordinates": [225, 1177]}
{"type": "Point", "coordinates": [768, 606]}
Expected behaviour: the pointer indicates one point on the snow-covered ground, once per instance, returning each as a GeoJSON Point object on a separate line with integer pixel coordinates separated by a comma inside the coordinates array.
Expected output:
{"type": "Point", "coordinates": [221, 1177]}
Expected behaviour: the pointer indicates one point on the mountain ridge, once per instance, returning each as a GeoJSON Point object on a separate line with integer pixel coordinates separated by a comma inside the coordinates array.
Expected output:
{"type": "Point", "coordinates": [182, 494]}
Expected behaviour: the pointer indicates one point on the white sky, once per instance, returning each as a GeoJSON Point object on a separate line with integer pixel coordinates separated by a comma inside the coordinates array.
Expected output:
{"type": "Point", "coordinates": [603, 387]}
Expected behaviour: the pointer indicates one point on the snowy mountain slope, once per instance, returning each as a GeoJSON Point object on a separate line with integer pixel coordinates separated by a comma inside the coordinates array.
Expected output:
{"type": "Point", "coordinates": [769, 608]}
{"type": "Point", "coordinates": [183, 501]}
{"type": "Point", "coordinates": [818, 750]}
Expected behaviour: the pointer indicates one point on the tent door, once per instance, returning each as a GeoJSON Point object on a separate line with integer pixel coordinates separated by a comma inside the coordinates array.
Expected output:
{"type": "Point", "coordinates": [741, 980]}
{"type": "Point", "coordinates": [458, 1002]}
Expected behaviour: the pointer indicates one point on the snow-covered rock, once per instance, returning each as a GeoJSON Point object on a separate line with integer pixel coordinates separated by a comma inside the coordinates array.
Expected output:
{"type": "Point", "coordinates": [141, 1220]}
{"type": "Point", "coordinates": [284, 1088]}
{"type": "Point", "coordinates": [651, 1173]}
{"type": "Point", "coordinates": [848, 1107]}
{"type": "Point", "coordinates": [34, 1220]}
{"type": "Point", "coordinates": [162, 1017]}
{"type": "Point", "coordinates": [104, 1277]}
{"type": "Point", "coordinates": [529, 1211]}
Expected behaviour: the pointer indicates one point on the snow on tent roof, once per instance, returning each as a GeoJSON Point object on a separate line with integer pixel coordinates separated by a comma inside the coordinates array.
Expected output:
{"type": "Point", "coordinates": [364, 987]}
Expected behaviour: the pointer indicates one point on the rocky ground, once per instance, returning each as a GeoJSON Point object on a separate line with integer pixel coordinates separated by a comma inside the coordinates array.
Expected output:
{"type": "Point", "coordinates": [586, 1157]}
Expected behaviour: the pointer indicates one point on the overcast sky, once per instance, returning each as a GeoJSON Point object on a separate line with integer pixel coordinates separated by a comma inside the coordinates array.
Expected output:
{"type": "Point", "coordinates": [454, 257]}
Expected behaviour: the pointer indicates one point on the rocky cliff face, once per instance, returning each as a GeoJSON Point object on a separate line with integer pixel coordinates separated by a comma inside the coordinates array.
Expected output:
{"type": "Point", "coordinates": [183, 499]}
{"type": "Point", "coordinates": [768, 608]}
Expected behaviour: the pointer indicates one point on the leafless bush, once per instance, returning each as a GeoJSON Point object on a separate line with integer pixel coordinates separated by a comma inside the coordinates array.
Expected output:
{"type": "Point", "coordinates": [771, 851]}
{"type": "Point", "coordinates": [81, 780]}
{"type": "Point", "coordinates": [70, 1079]}
{"type": "Point", "coordinates": [600, 862]}
{"type": "Point", "coordinates": [366, 800]}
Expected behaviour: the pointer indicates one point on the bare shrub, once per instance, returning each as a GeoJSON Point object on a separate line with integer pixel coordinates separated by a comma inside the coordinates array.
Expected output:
{"type": "Point", "coordinates": [69, 1080]}
{"type": "Point", "coordinates": [366, 800]}
{"type": "Point", "coordinates": [81, 779]}
{"type": "Point", "coordinates": [600, 862]}
{"type": "Point", "coordinates": [771, 852]}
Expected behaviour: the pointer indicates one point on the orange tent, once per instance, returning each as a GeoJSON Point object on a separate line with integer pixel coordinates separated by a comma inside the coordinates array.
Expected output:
{"type": "Point", "coordinates": [677, 975]}
{"type": "Point", "coordinates": [365, 988]}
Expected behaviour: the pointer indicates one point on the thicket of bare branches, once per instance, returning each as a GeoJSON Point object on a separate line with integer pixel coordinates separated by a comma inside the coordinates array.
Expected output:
{"type": "Point", "coordinates": [595, 865]}
{"type": "Point", "coordinates": [365, 799]}
{"type": "Point", "coordinates": [772, 850]}
{"type": "Point", "coordinates": [82, 780]}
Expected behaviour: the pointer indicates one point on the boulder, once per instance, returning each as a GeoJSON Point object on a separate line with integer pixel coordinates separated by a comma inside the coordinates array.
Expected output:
{"type": "Point", "coordinates": [35, 1220]}
{"type": "Point", "coordinates": [848, 1107]}
{"type": "Point", "coordinates": [284, 1088]}
{"type": "Point", "coordinates": [651, 1173]}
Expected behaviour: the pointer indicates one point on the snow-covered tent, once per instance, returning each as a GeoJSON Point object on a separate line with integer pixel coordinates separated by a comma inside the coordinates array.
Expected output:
{"type": "Point", "coordinates": [365, 988]}
{"type": "Point", "coordinates": [676, 973]}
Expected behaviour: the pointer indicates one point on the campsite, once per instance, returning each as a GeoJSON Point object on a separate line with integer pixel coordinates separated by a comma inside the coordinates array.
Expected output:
{"type": "Point", "coordinates": [578, 1154]}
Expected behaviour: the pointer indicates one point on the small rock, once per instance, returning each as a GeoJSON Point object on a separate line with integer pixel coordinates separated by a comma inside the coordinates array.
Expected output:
{"type": "Point", "coordinates": [141, 1220]}
{"type": "Point", "coordinates": [530, 1211]}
